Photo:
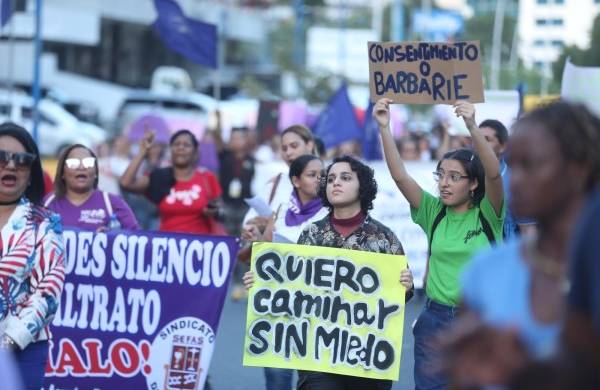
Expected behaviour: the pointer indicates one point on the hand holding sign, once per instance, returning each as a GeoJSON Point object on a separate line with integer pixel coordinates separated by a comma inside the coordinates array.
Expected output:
{"type": "Point", "coordinates": [381, 112]}
{"type": "Point", "coordinates": [406, 278]}
{"type": "Point", "coordinates": [467, 111]}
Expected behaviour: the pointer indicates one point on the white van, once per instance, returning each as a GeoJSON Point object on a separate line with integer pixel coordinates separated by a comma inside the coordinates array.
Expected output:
{"type": "Point", "coordinates": [184, 105]}
{"type": "Point", "coordinates": [57, 128]}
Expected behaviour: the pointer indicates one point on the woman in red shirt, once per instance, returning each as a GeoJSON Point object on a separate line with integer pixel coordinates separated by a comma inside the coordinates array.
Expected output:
{"type": "Point", "coordinates": [187, 196]}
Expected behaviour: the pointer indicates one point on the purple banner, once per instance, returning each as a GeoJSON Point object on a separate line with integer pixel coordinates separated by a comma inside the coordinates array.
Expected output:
{"type": "Point", "coordinates": [139, 310]}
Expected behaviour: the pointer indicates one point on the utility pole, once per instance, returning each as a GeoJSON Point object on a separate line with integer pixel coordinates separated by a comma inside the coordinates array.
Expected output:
{"type": "Point", "coordinates": [397, 21]}
{"type": "Point", "coordinates": [497, 44]}
{"type": "Point", "coordinates": [36, 89]}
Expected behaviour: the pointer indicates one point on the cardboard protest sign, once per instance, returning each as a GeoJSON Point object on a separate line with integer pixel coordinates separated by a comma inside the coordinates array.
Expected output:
{"type": "Point", "coordinates": [139, 310]}
{"type": "Point", "coordinates": [325, 309]}
{"type": "Point", "coordinates": [425, 72]}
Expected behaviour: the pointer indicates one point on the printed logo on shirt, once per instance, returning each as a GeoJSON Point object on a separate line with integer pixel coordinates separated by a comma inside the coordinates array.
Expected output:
{"type": "Point", "coordinates": [93, 216]}
{"type": "Point", "coordinates": [186, 197]}
{"type": "Point", "coordinates": [473, 233]}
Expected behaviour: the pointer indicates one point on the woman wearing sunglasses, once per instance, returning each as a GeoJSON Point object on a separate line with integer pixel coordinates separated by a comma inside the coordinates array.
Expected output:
{"type": "Point", "coordinates": [31, 256]}
{"type": "Point", "coordinates": [78, 201]}
{"type": "Point", "coordinates": [467, 216]}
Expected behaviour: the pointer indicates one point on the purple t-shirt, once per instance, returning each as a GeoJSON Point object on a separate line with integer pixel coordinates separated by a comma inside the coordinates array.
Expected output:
{"type": "Point", "coordinates": [93, 213]}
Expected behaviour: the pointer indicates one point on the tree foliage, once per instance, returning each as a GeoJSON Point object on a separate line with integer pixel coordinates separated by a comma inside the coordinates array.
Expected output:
{"type": "Point", "coordinates": [580, 57]}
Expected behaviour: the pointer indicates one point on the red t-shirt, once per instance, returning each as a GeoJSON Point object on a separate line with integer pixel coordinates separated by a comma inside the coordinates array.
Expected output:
{"type": "Point", "coordinates": [48, 185]}
{"type": "Point", "coordinates": [181, 210]}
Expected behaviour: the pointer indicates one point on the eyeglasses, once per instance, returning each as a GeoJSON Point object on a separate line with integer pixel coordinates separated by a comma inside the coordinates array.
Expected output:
{"type": "Point", "coordinates": [22, 161]}
{"type": "Point", "coordinates": [86, 162]}
{"type": "Point", "coordinates": [455, 177]}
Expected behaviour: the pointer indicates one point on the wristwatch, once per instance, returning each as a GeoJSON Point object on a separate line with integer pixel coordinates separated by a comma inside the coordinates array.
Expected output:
{"type": "Point", "coordinates": [7, 343]}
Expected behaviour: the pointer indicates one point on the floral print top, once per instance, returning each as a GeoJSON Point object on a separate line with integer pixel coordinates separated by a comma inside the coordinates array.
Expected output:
{"type": "Point", "coordinates": [32, 273]}
{"type": "Point", "coordinates": [371, 236]}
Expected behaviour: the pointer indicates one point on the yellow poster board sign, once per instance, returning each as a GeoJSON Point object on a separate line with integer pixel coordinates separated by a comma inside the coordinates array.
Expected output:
{"type": "Point", "coordinates": [325, 309]}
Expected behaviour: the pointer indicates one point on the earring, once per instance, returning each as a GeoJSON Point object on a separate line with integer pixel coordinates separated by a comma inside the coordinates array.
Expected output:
{"type": "Point", "coordinates": [472, 194]}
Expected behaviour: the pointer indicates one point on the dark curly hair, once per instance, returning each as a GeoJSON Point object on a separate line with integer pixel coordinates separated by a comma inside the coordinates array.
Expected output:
{"type": "Point", "coordinates": [473, 167]}
{"type": "Point", "coordinates": [367, 186]}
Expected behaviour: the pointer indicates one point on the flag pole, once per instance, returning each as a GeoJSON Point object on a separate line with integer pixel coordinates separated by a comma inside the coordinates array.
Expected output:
{"type": "Point", "coordinates": [36, 90]}
{"type": "Point", "coordinates": [11, 57]}
{"type": "Point", "coordinates": [220, 56]}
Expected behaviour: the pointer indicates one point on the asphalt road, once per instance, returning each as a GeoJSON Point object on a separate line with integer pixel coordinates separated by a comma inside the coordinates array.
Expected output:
{"type": "Point", "coordinates": [227, 372]}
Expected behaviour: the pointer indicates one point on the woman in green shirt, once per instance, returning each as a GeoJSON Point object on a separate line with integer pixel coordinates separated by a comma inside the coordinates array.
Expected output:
{"type": "Point", "coordinates": [467, 215]}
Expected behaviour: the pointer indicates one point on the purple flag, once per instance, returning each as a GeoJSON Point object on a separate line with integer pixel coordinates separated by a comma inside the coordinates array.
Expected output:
{"type": "Point", "coordinates": [371, 147]}
{"type": "Point", "coordinates": [6, 11]}
{"type": "Point", "coordinates": [195, 40]}
{"type": "Point", "coordinates": [337, 123]}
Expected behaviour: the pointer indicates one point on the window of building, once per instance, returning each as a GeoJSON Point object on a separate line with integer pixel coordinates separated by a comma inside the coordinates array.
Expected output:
{"type": "Point", "coordinates": [538, 42]}
{"type": "Point", "coordinates": [557, 22]}
{"type": "Point", "coordinates": [559, 1]}
{"type": "Point", "coordinates": [542, 1]}
{"type": "Point", "coordinates": [557, 43]}
{"type": "Point", "coordinates": [538, 65]}
{"type": "Point", "coordinates": [541, 22]}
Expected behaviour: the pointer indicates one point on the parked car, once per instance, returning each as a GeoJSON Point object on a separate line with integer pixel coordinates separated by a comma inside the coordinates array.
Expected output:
{"type": "Point", "coordinates": [57, 127]}
{"type": "Point", "coordinates": [192, 110]}
{"type": "Point", "coordinates": [185, 105]}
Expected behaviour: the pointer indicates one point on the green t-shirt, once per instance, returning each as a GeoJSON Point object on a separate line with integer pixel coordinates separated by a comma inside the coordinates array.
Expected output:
{"type": "Point", "coordinates": [457, 237]}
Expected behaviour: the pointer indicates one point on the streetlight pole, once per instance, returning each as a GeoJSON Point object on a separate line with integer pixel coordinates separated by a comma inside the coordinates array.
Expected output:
{"type": "Point", "coordinates": [36, 90]}
{"type": "Point", "coordinates": [497, 44]}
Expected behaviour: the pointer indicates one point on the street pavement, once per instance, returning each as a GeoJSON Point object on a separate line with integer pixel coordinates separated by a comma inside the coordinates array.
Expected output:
{"type": "Point", "coordinates": [226, 370]}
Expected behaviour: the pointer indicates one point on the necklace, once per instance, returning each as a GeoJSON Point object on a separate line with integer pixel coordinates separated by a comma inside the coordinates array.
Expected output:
{"type": "Point", "coordinates": [546, 265]}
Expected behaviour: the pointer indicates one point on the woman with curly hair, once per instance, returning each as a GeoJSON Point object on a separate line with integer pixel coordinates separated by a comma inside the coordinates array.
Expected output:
{"type": "Point", "coordinates": [468, 215]}
{"type": "Point", "coordinates": [348, 189]}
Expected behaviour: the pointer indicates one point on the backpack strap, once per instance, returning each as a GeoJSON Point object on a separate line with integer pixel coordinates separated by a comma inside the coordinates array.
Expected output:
{"type": "Point", "coordinates": [487, 229]}
{"type": "Point", "coordinates": [436, 222]}
{"type": "Point", "coordinates": [49, 200]}
{"type": "Point", "coordinates": [107, 203]}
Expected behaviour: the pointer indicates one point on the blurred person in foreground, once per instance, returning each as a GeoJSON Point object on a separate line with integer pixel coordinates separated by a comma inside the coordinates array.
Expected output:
{"type": "Point", "coordinates": [78, 200]}
{"type": "Point", "coordinates": [515, 294]}
{"type": "Point", "coordinates": [31, 257]}
{"type": "Point", "coordinates": [496, 135]}
{"type": "Point", "coordinates": [188, 197]}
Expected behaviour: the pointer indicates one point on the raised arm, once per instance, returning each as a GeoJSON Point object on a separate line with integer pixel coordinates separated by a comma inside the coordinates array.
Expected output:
{"type": "Point", "coordinates": [491, 166]}
{"type": "Point", "coordinates": [218, 133]}
{"type": "Point", "coordinates": [407, 185]}
{"type": "Point", "coordinates": [130, 180]}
